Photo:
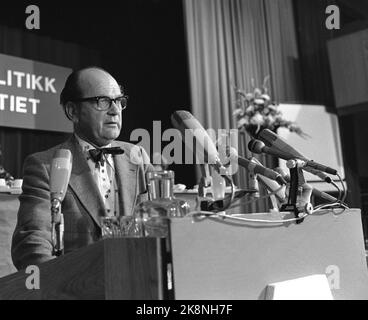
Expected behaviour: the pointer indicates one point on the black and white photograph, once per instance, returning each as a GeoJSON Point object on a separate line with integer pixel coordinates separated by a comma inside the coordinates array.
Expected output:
{"type": "Point", "coordinates": [184, 155]}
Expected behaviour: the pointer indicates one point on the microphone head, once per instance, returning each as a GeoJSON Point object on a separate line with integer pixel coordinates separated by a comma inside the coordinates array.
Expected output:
{"type": "Point", "coordinates": [178, 117]}
{"type": "Point", "coordinates": [60, 170]}
{"type": "Point", "coordinates": [268, 136]}
{"type": "Point", "coordinates": [256, 146]}
{"type": "Point", "coordinates": [191, 130]}
{"type": "Point", "coordinates": [278, 144]}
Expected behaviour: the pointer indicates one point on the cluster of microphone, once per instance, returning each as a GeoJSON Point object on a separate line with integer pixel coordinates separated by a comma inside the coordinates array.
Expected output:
{"type": "Point", "coordinates": [279, 148]}
{"type": "Point", "coordinates": [270, 144]}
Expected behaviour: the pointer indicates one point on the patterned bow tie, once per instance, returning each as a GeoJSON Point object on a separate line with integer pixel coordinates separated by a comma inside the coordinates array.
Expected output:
{"type": "Point", "coordinates": [97, 155]}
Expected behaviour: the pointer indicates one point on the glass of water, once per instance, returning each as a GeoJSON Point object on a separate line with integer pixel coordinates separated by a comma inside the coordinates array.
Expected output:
{"type": "Point", "coordinates": [110, 227]}
{"type": "Point", "coordinates": [118, 227]}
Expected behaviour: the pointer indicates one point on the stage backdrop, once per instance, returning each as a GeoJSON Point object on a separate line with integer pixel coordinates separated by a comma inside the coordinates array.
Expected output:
{"type": "Point", "coordinates": [29, 95]}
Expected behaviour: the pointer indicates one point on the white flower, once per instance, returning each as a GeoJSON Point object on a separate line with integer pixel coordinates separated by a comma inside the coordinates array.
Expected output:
{"type": "Point", "coordinates": [242, 122]}
{"type": "Point", "coordinates": [270, 119]}
{"type": "Point", "coordinates": [257, 92]}
{"type": "Point", "coordinates": [249, 96]}
{"type": "Point", "coordinates": [249, 110]}
{"type": "Point", "coordinates": [237, 112]}
{"type": "Point", "coordinates": [259, 101]}
{"type": "Point", "coordinates": [257, 119]}
{"type": "Point", "coordinates": [265, 97]}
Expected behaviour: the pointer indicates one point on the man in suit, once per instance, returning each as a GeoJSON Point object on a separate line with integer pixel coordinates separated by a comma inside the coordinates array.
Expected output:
{"type": "Point", "coordinates": [99, 186]}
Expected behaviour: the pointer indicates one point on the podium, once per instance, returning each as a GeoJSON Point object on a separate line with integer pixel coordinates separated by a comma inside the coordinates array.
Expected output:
{"type": "Point", "coordinates": [111, 269]}
{"type": "Point", "coordinates": [207, 259]}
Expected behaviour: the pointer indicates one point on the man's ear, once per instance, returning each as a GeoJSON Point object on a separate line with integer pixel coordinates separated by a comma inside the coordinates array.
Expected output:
{"type": "Point", "coordinates": [71, 111]}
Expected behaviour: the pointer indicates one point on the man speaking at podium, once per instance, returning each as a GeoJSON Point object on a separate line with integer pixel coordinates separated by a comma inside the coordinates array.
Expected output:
{"type": "Point", "coordinates": [101, 184]}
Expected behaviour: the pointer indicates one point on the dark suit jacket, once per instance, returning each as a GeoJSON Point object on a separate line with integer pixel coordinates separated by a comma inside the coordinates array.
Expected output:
{"type": "Point", "coordinates": [82, 206]}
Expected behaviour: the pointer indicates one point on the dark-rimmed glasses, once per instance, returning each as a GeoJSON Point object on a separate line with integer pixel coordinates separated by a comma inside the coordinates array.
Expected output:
{"type": "Point", "coordinates": [104, 103]}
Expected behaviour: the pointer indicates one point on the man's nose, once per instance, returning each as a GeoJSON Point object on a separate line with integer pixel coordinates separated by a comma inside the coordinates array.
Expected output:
{"type": "Point", "coordinates": [114, 108]}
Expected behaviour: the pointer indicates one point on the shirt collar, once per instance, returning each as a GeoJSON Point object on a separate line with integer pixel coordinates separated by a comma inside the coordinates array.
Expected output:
{"type": "Point", "coordinates": [86, 146]}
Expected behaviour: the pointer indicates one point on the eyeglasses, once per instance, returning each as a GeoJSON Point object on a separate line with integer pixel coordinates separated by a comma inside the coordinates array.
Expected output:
{"type": "Point", "coordinates": [104, 103]}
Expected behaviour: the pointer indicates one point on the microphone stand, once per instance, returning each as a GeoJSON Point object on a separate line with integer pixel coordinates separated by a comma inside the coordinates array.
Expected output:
{"type": "Point", "coordinates": [204, 185]}
{"type": "Point", "coordinates": [253, 183]}
{"type": "Point", "coordinates": [205, 181]}
{"type": "Point", "coordinates": [57, 228]}
{"type": "Point", "coordinates": [205, 203]}
{"type": "Point", "coordinates": [296, 181]}
{"type": "Point", "coordinates": [275, 205]}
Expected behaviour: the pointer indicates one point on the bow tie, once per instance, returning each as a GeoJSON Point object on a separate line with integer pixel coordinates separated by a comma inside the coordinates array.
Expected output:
{"type": "Point", "coordinates": [97, 155]}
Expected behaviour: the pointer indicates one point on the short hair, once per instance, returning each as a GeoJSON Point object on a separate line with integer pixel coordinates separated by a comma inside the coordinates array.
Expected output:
{"type": "Point", "coordinates": [72, 90]}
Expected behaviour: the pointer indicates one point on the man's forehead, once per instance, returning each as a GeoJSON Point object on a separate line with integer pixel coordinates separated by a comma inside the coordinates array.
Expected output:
{"type": "Point", "coordinates": [97, 82]}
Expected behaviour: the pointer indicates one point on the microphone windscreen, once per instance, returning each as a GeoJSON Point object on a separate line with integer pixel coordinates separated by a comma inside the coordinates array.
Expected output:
{"type": "Point", "coordinates": [60, 170]}
{"type": "Point", "coordinates": [256, 146]}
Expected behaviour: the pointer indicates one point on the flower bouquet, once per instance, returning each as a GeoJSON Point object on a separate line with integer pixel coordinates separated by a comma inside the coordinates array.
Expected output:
{"type": "Point", "coordinates": [255, 111]}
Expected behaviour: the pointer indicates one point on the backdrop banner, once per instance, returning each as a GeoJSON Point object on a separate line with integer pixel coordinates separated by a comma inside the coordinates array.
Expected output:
{"type": "Point", "coordinates": [29, 95]}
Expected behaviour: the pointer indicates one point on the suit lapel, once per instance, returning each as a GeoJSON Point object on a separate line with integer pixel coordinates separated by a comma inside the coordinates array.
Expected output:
{"type": "Point", "coordinates": [126, 176]}
{"type": "Point", "coordinates": [83, 185]}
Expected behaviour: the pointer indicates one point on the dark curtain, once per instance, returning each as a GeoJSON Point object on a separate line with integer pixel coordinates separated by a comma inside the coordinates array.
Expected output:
{"type": "Point", "coordinates": [313, 36]}
{"type": "Point", "coordinates": [16, 143]}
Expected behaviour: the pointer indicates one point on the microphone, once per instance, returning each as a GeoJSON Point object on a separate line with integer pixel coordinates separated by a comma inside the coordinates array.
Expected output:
{"type": "Point", "coordinates": [256, 167]}
{"type": "Point", "coordinates": [190, 128]}
{"type": "Point", "coordinates": [253, 184]}
{"type": "Point", "coordinates": [59, 174]}
{"type": "Point", "coordinates": [310, 166]}
{"type": "Point", "coordinates": [275, 141]}
{"type": "Point", "coordinates": [271, 185]}
{"type": "Point", "coordinates": [257, 146]}
{"type": "Point", "coordinates": [315, 192]}
{"type": "Point", "coordinates": [59, 178]}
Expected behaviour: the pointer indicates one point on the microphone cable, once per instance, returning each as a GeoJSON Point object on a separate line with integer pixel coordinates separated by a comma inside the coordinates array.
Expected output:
{"type": "Point", "coordinates": [323, 209]}
{"type": "Point", "coordinates": [343, 188]}
{"type": "Point", "coordinates": [269, 194]}
{"type": "Point", "coordinates": [339, 197]}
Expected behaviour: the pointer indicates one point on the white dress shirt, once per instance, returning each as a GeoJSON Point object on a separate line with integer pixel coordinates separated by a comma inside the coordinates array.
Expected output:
{"type": "Point", "coordinates": [102, 174]}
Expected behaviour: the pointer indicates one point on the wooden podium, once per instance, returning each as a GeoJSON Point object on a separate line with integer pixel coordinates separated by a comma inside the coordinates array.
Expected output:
{"type": "Point", "coordinates": [124, 268]}
{"type": "Point", "coordinates": [208, 258]}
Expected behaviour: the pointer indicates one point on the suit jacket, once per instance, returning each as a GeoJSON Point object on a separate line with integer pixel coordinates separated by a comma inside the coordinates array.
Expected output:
{"type": "Point", "coordinates": [82, 206]}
